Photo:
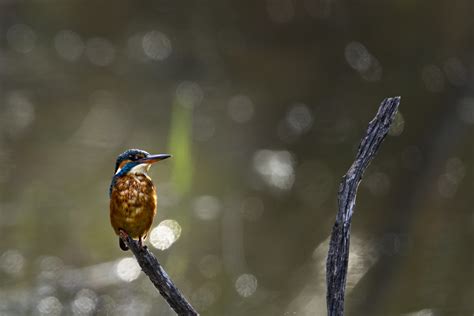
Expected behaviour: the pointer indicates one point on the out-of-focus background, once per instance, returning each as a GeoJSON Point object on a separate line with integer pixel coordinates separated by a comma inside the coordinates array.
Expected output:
{"type": "Point", "coordinates": [262, 104]}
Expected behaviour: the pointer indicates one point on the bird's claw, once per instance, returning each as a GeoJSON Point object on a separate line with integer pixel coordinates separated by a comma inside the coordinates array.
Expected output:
{"type": "Point", "coordinates": [123, 234]}
{"type": "Point", "coordinates": [141, 245]}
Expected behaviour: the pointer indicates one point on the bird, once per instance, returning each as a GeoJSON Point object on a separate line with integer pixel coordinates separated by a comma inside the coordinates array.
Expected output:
{"type": "Point", "coordinates": [133, 200]}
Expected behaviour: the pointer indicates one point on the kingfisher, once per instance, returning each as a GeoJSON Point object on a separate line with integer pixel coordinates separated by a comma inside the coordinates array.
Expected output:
{"type": "Point", "coordinates": [132, 195]}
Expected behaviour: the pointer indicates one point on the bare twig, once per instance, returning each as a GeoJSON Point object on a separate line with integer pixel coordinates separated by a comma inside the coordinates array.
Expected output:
{"type": "Point", "coordinates": [338, 255]}
{"type": "Point", "coordinates": [159, 278]}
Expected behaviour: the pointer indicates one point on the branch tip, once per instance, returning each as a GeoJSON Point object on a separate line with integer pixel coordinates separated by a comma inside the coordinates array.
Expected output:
{"type": "Point", "coordinates": [338, 253]}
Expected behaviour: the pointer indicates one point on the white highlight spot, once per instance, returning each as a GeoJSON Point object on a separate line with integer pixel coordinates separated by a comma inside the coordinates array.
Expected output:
{"type": "Point", "coordinates": [165, 234]}
{"type": "Point", "coordinates": [12, 262]}
{"type": "Point", "coordinates": [189, 94]}
{"type": "Point", "coordinates": [156, 45]}
{"type": "Point", "coordinates": [128, 269]}
{"type": "Point", "coordinates": [19, 113]}
{"type": "Point", "coordinates": [21, 38]}
{"type": "Point", "coordinates": [357, 56]}
{"type": "Point", "coordinates": [85, 302]}
{"type": "Point", "coordinates": [206, 207]}
{"type": "Point", "coordinates": [423, 312]}
{"type": "Point", "coordinates": [246, 285]}
{"type": "Point", "coordinates": [51, 267]}
{"type": "Point", "coordinates": [275, 167]}
{"type": "Point", "coordinates": [299, 118]}
{"type": "Point", "coordinates": [205, 295]}
{"type": "Point", "coordinates": [49, 306]}
{"type": "Point", "coordinates": [69, 45]}
{"type": "Point", "coordinates": [360, 59]}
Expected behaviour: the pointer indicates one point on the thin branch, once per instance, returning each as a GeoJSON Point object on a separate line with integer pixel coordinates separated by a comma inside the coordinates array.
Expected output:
{"type": "Point", "coordinates": [159, 278]}
{"type": "Point", "coordinates": [338, 254]}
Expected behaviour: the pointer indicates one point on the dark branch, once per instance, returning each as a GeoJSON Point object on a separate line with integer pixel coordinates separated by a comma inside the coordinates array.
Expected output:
{"type": "Point", "coordinates": [159, 278]}
{"type": "Point", "coordinates": [338, 255]}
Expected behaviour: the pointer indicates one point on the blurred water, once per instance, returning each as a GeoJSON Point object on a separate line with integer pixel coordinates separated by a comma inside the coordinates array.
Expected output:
{"type": "Point", "coordinates": [262, 105]}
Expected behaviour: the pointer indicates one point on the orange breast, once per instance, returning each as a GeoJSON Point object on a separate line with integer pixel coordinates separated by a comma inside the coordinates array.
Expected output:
{"type": "Point", "coordinates": [133, 205]}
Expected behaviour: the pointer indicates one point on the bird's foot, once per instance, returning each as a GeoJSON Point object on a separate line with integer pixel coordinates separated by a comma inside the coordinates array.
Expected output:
{"type": "Point", "coordinates": [123, 236]}
{"type": "Point", "coordinates": [122, 233]}
{"type": "Point", "coordinates": [141, 245]}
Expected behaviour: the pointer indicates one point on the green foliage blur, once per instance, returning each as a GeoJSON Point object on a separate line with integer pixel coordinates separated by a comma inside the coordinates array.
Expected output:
{"type": "Point", "coordinates": [262, 105]}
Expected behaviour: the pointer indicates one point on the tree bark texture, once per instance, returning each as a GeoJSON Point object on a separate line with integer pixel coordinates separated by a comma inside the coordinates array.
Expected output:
{"type": "Point", "coordinates": [159, 278]}
{"type": "Point", "coordinates": [338, 254]}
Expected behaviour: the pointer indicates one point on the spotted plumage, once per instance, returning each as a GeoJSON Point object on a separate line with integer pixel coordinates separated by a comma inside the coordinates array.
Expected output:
{"type": "Point", "coordinates": [133, 199]}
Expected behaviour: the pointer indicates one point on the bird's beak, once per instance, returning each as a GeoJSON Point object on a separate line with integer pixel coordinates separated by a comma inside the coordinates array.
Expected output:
{"type": "Point", "coordinates": [154, 158]}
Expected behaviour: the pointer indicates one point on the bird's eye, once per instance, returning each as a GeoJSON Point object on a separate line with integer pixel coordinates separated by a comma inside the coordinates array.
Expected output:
{"type": "Point", "coordinates": [136, 157]}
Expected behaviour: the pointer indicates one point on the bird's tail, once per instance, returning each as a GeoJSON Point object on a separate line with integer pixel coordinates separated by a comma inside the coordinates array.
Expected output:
{"type": "Point", "coordinates": [122, 245]}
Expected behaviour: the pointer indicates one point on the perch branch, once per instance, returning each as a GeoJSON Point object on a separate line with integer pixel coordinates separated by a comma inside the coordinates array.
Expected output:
{"type": "Point", "coordinates": [159, 278]}
{"type": "Point", "coordinates": [338, 254]}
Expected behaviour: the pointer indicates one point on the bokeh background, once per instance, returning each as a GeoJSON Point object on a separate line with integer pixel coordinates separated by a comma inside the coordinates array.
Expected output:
{"type": "Point", "coordinates": [263, 104]}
